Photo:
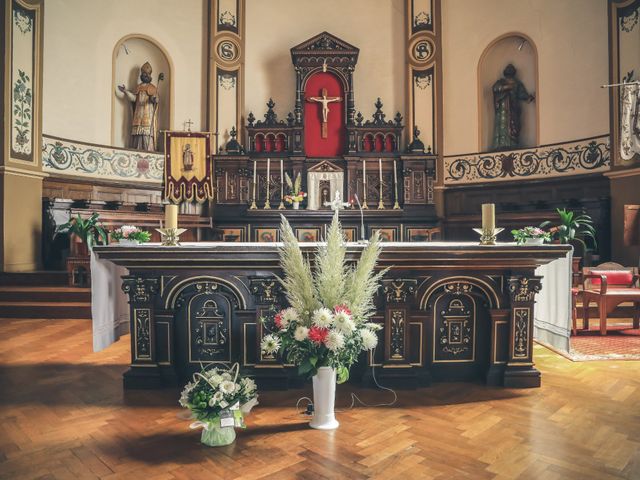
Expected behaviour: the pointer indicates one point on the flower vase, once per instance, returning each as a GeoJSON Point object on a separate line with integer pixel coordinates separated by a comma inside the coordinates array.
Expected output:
{"type": "Point", "coordinates": [127, 242]}
{"type": "Point", "coordinates": [534, 241]}
{"type": "Point", "coordinates": [324, 399]}
{"type": "Point", "coordinates": [213, 435]}
{"type": "Point", "coordinates": [296, 205]}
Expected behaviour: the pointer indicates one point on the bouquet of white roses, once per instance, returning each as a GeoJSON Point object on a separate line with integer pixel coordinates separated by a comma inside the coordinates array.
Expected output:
{"type": "Point", "coordinates": [218, 393]}
{"type": "Point", "coordinates": [327, 324]}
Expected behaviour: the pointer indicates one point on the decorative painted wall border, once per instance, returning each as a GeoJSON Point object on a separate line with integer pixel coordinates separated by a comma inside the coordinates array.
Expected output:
{"type": "Point", "coordinates": [577, 157]}
{"type": "Point", "coordinates": [70, 157]}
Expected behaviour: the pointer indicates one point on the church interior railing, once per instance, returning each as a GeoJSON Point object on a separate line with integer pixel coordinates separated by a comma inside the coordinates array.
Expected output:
{"type": "Point", "coordinates": [61, 156]}
{"type": "Point", "coordinates": [577, 157]}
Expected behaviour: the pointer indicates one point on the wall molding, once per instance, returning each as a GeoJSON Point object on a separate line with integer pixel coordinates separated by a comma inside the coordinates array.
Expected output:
{"type": "Point", "coordinates": [64, 157]}
{"type": "Point", "coordinates": [576, 157]}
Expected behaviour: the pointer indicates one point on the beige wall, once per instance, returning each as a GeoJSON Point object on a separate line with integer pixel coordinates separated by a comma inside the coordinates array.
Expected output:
{"type": "Point", "coordinates": [79, 39]}
{"type": "Point", "coordinates": [571, 39]}
{"type": "Point", "coordinates": [376, 27]}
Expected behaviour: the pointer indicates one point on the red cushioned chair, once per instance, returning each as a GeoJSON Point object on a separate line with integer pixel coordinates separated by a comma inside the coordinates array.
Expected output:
{"type": "Point", "coordinates": [609, 285]}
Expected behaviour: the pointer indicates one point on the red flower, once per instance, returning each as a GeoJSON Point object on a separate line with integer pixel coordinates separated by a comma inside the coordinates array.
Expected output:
{"type": "Point", "coordinates": [278, 320]}
{"type": "Point", "coordinates": [342, 308]}
{"type": "Point", "coordinates": [318, 335]}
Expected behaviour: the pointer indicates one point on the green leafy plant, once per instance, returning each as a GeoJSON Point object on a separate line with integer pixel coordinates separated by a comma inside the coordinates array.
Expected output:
{"type": "Point", "coordinates": [573, 228]}
{"type": "Point", "coordinates": [89, 230]}
{"type": "Point", "coordinates": [327, 323]}
{"type": "Point", "coordinates": [523, 234]}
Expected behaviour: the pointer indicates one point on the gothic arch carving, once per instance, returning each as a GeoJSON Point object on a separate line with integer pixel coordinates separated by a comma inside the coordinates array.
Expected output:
{"type": "Point", "coordinates": [205, 282]}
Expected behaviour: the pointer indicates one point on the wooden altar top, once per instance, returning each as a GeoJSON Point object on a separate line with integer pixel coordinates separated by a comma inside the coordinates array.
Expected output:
{"type": "Point", "coordinates": [399, 255]}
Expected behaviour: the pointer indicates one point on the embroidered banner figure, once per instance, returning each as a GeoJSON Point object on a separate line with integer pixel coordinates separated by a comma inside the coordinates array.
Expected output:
{"type": "Point", "coordinates": [188, 174]}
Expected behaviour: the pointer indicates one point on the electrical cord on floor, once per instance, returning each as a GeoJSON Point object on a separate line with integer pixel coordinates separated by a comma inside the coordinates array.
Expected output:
{"type": "Point", "coordinates": [354, 398]}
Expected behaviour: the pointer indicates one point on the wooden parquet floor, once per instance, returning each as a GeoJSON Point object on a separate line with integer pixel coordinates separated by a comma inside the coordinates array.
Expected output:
{"type": "Point", "coordinates": [63, 414]}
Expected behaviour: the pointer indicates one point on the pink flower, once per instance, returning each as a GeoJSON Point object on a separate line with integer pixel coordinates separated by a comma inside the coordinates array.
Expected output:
{"type": "Point", "coordinates": [342, 308]}
{"type": "Point", "coordinates": [278, 320]}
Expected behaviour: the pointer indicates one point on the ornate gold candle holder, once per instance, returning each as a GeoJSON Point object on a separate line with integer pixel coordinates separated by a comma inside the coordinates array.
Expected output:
{"type": "Point", "coordinates": [488, 237]}
{"type": "Point", "coordinates": [171, 236]}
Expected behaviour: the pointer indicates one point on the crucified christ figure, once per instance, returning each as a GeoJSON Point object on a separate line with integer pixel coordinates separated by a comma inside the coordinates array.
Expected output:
{"type": "Point", "coordinates": [325, 101]}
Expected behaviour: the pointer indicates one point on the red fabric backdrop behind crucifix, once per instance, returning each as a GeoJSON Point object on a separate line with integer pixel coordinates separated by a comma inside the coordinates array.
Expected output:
{"type": "Point", "coordinates": [333, 144]}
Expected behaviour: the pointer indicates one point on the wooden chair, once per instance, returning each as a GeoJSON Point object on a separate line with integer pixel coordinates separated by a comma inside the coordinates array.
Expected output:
{"type": "Point", "coordinates": [609, 285]}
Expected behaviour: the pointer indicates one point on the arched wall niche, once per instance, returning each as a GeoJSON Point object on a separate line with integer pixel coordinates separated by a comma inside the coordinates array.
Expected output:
{"type": "Point", "coordinates": [129, 54]}
{"type": "Point", "coordinates": [520, 50]}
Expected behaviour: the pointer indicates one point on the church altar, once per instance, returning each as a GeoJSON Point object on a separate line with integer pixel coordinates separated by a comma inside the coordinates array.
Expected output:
{"type": "Point", "coordinates": [449, 311]}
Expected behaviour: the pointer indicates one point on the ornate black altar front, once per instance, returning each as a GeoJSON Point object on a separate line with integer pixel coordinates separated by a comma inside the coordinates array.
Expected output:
{"type": "Point", "coordinates": [448, 311]}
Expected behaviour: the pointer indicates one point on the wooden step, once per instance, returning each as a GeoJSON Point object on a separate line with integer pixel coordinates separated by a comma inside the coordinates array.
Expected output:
{"type": "Point", "coordinates": [43, 278]}
{"type": "Point", "coordinates": [53, 309]}
{"type": "Point", "coordinates": [44, 294]}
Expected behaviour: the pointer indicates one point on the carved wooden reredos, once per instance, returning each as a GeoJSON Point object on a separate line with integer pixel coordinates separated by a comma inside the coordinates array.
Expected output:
{"type": "Point", "coordinates": [324, 54]}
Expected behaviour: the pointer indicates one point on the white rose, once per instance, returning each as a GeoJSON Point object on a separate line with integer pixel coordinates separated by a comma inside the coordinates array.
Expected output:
{"type": "Point", "coordinates": [322, 318]}
{"type": "Point", "coordinates": [301, 333]}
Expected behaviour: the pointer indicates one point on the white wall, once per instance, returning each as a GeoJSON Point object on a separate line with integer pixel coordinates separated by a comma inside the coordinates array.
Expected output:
{"type": "Point", "coordinates": [376, 27]}
{"type": "Point", "coordinates": [571, 38]}
{"type": "Point", "coordinates": [79, 38]}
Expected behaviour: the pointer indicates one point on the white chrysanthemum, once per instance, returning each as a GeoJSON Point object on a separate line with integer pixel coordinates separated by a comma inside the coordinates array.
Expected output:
{"type": "Point", "coordinates": [342, 321]}
{"type": "Point", "coordinates": [369, 339]}
{"type": "Point", "coordinates": [334, 340]}
{"type": "Point", "coordinates": [288, 315]}
{"type": "Point", "coordinates": [227, 387]}
{"type": "Point", "coordinates": [301, 333]}
{"type": "Point", "coordinates": [322, 318]}
{"type": "Point", "coordinates": [373, 326]}
{"type": "Point", "coordinates": [218, 396]}
{"type": "Point", "coordinates": [248, 385]}
{"type": "Point", "coordinates": [226, 376]}
{"type": "Point", "coordinates": [270, 344]}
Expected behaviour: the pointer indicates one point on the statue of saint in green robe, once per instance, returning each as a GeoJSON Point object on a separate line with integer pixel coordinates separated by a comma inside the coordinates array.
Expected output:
{"type": "Point", "coordinates": [508, 92]}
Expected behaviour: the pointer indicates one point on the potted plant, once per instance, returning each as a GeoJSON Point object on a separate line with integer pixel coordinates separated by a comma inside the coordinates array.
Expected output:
{"type": "Point", "coordinates": [130, 235]}
{"type": "Point", "coordinates": [218, 399]}
{"type": "Point", "coordinates": [573, 228]}
{"type": "Point", "coordinates": [296, 195]}
{"type": "Point", "coordinates": [531, 236]}
{"type": "Point", "coordinates": [327, 326]}
{"type": "Point", "coordinates": [86, 231]}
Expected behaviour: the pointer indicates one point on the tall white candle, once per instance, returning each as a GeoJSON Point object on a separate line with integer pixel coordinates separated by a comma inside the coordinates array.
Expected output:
{"type": "Point", "coordinates": [395, 173]}
{"type": "Point", "coordinates": [255, 178]}
{"type": "Point", "coordinates": [281, 179]}
{"type": "Point", "coordinates": [171, 216]}
{"type": "Point", "coordinates": [380, 168]}
{"type": "Point", "coordinates": [268, 176]}
{"type": "Point", "coordinates": [364, 171]}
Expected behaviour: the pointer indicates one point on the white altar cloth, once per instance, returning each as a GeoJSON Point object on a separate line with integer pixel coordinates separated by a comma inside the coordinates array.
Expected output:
{"type": "Point", "coordinates": [109, 304]}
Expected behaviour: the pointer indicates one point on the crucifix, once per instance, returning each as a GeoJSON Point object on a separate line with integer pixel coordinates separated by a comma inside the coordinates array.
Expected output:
{"type": "Point", "coordinates": [187, 125]}
{"type": "Point", "coordinates": [325, 101]}
{"type": "Point", "coordinates": [337, 203]}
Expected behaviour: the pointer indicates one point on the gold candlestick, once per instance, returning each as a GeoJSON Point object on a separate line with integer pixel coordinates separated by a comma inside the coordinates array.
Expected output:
{"type": "Point", "coordinates": [488, 236]}
{"type": "Point", "coordinates": [364, 185]}
{"type": "Point", "coordinates": [255, 179]}
{"type": "Point", "coordinates": [380, 202]}
{"type": "Point", "coordinates": [171, 236]}
{"type": "Point", "coordinates": [281, 206]}
{"type": "Point", "coordinates": [396, 205]}
{"type": "Point", "coordinates": [267, 203]}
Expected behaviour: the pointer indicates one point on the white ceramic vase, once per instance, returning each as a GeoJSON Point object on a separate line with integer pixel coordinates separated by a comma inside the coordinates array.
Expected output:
{"type": "Point", "coordinates": [127, 242]}
{"type": "Point", "coordinates": [534, 241]}
{"type": "Point", "coordinates": [296, 205]}
{"type": "Point", "coordinates": [324, 399]}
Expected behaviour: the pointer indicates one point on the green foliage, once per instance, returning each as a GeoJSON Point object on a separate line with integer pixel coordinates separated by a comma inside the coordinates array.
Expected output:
{"type": "Point", "coordinates": [573, 228]}
{"type": "Point", "coordinates": [88, 230]}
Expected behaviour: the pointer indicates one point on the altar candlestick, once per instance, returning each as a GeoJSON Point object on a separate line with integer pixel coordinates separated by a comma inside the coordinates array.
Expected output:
{"type": "Point", "coordinates": [396, 205]}
{"type": "Point", "coordinates": [364, 185]}
{"type": "Point", "coordinates": [255, 179]}
{"type": "Point", "coordinates": [488, 217]}
{"type": "Point", "coordinates": [267, 204]}
{"type": "Point", "coordinates": [281, 206]}
{"type": "Point", "coordinates": [380, 203]}
{"type": "Point", "coordinates": [170, 216]}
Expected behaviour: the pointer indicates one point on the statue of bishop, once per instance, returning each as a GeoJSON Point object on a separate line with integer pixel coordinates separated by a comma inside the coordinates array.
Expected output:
{"type": "Point", "coordinates": [144, 101]}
